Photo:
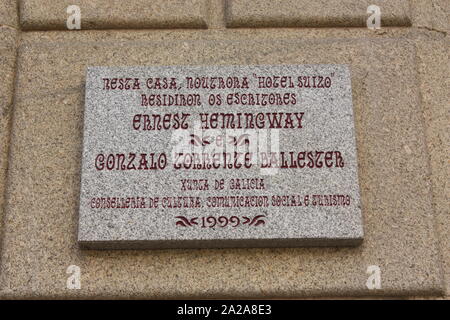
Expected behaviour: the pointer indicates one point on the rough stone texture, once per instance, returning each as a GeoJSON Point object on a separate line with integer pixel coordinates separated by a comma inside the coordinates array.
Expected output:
{"type": "Point", "coordinates": [114, 14]}
{"type": "Point", "coordinates": [441, 16]}
{"type": "Point", "coordinates": [326, 125]}
{"type": "Point", "coordinates": [8, 13]}
{"type": "Point", "coordinates": [216, 14]}
{"type": "Point", "coordinates": [39, 241]}
{"type": "Point", "coordinates": [431, 14]}
{"type": "Point", "coordinates": [434, 70]}
{"type": "Point", "coordinates": [319, 13]}
{"type": "Point", "coordinates": [8, 41]}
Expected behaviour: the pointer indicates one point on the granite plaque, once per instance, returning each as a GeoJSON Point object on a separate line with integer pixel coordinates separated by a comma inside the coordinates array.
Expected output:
{"type": "Point", "coordinates": [219, 156]}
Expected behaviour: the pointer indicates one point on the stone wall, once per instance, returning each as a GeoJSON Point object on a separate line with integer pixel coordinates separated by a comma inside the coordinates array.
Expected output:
{"type": "Point", "coordinates": [401, 101]}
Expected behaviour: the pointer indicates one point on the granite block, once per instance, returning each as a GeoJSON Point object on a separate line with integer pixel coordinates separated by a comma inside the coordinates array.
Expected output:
{"type": "Point", "coordinates": [41, 217]}
{"type": "Point", "coordinates": [432, 15]}
{"type": "Point", "coordinates": [8, 13]}
{"type": "Point", "coordinates": [219, 156]}
{"type": "Point", "coordinates": [114, 14]}
{"type": "Point", "coordinates": [323, 13]}
{"type": "Point", "coordinates": [8, 43]}
{"type": "Point", "coordinates": [433, 66]}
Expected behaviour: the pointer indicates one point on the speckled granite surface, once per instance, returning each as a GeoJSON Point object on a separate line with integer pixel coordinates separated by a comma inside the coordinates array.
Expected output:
{"type": "Point", "coordinates": [168, 168]}
{"type": "Point", "coordinates": [114, 14]}
{"type": "Point", "coordinates": [319, 13]}
{"type": "Point", "coordinates": [400, 106]}
{"type": "Point", "coordinates": [8, 13]}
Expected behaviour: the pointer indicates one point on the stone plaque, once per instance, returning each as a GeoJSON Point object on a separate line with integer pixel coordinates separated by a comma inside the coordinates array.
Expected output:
{"type": "Point", "coordinates": [219, 156]}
